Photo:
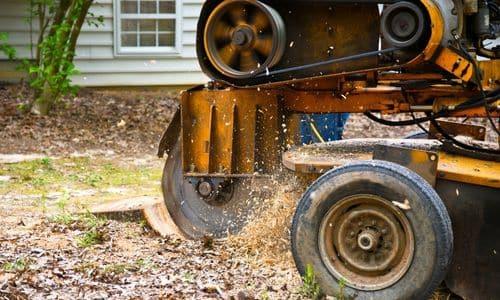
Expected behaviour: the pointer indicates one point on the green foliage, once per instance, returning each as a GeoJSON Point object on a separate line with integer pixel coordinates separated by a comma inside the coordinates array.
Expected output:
{"type": "Point", "coordinates": [341, 294]}
{"type": "Point", "coordinates": [91, 225]}
{"type": "Point", "coordinates": [94, 20]}
{"type": "Point", "coordinates": [265, 295]}
{"type": "Point", "coordinates": [36, 172]}
{"type": "Point", "coordinates": [119, 268]}
{"type": "Point", "coordinates": [5, 47]}
{"type": "Point", "coordinates": [23, 107]}
{"type": "Point", "coordinates": [91, 237]}
{"type": "Point", "coordinates": [38, 181]}
{"type": "Point", "coordinates": [93, 179]}
{"type": "Point", "coordinates": [85, 267]}
{"type": "Point", "coordinates": [142, 263]}
{"type": "Point", "coordinates": [46, 162]}
{"type": "Point", "coordinates": [42, 203]}
{"type": "Point", "coordinates": [310, 287]}
{"type": "Point", "coordinates": [64, 219]}
{"type": "Point", "coordinates": [21, 264]}
{"type": "Point", "coordinates": [60, 23]}
{"type": "Point", "coordinates": [93, 234]}
{"type": "Point", "coordinates": [62, 203]}
{"type": "Point", "coordinates": [56, 176]}
{"type": "Point", "coordinates": [187, 276]}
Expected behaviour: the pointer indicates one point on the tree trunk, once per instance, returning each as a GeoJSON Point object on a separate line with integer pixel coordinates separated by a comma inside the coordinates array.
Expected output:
{"type": "Point", "coordinates": [43, 102]}
{"type": "Point", "coordinates": [41, 107]}
{"type": "Point", "coordinates": [56, 50]}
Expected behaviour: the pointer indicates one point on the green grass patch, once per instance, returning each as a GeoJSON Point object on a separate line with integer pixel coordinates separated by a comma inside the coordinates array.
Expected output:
{"type": "Point", "coordinates": [92, 227]}
{"type": "Point", "coordinates": [120, 268]}
{"type": "Point", "coordinates": [310, 287]}
{"type": "Point", "coordinates": [47, 176]}
{"type": "Point", "coordinates": [21, 264]}
{"type": "Point", "coordinates": [93, 234]}
{"type": "Point", "coordinates": [34, 175]}
{"type": "Point", "coordinates": [144, 263]}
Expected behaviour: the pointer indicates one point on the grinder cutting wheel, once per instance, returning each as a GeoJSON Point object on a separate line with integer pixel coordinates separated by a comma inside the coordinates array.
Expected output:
{"type": "Point", "coordinates": [383, 225]}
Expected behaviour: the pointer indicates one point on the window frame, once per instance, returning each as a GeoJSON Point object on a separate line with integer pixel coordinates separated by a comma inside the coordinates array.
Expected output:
{"type": "Point", "coordinates": [120, 51]}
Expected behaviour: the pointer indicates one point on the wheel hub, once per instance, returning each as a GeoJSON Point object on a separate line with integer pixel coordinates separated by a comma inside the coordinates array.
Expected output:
{"type": "Point", "coordinates": [214, 191]}
{"type": "Point", "coordinates": [403, 24]}
{"type": "Point", "coordinates": [205, 188]}
{"type": "Point", "coordinates": [366, 241]}
{"type": "Point", "coordinates": [243, 37]}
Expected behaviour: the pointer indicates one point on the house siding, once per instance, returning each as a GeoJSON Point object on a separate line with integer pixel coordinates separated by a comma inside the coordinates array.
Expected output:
{"type": "Point", "coordinates": [95, 54]}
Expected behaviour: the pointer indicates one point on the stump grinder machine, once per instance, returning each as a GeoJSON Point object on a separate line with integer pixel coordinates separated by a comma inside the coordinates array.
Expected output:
{"type": "Point", "coordinates": [380, 218]}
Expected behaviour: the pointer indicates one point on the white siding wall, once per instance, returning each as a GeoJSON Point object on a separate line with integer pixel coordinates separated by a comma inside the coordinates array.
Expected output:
{"type": "Point", "coordinates": [95, 55]}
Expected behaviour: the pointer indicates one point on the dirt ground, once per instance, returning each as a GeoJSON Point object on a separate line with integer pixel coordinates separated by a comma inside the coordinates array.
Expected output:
{"type": "Point", "coordinates": [126, 123]}
{"type": "Point", "coordinates": [48, 252]}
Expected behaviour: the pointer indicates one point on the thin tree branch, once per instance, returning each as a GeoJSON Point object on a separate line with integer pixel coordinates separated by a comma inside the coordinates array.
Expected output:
{"type": "Point", "coordinates": [75, 32]}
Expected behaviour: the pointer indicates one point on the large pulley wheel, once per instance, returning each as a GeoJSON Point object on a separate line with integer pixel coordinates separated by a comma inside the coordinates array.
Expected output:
{"type": "Point", "coordinates": [403, 24]}
{"type": "Point", "coordinates": [205, 207]}
{"type": "Point", "coordinates": [243, 38]}
{"type": "Point", "coordinates": [375, 227]}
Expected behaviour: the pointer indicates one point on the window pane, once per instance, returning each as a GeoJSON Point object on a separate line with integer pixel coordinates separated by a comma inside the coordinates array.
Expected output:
{"type": "Point", "coordinates": [167, 7]}
{"type": "Point", "coordinates": [129, 7]}
{"type": "Point", "coordinates": [148, 7]}
{"type": "Point", "coordinates": [148, 40]}
{"type": "Point", "coordinates": [151, 24]}
{"type": "Point", "coordinates": [129, 40]}
{"type": "Point", "coordinates": [166, 25]}
{"type": "Point", "coordinates": [129, 25]}
{"type": "Point", "coordinates": [166, 40]}
{"type": "Point", "coordinates": [147, 25]}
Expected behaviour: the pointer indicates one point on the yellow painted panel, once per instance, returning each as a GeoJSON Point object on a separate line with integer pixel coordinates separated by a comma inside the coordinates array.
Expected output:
{"type": "Point", "coordinates": [469, 170]}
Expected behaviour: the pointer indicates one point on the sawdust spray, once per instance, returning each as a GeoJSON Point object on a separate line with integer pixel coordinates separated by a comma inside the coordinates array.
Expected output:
{"type": "Point", "coordinates": [266, 237]}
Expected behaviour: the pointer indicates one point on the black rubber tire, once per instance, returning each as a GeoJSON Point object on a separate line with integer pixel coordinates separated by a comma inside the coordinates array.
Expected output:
{"type": "Point", "coordinates": [428, 218]}
{"type": "Point", "coordinates": [192, 215]}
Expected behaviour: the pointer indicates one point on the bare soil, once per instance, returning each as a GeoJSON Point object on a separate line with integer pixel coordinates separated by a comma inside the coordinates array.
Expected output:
{"type": "Point", "coordinates": [131, 263]}
{"type": "Point", "coordinates": [126, 123]}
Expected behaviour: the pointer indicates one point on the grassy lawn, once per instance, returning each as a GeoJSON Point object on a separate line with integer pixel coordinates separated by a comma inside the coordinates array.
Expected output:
{"type": "Point", "coordinates": [78, 180]}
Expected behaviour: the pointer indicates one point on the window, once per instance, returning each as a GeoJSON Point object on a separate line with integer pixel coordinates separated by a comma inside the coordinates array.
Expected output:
{"type": "Point", "coordinates": [147, 26]}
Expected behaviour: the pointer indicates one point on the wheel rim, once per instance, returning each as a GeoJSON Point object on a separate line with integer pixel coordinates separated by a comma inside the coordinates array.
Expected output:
{"type": "Point", "coordinates": [243, 38]}
{"type": "Point", "coordinates": [366, 241]}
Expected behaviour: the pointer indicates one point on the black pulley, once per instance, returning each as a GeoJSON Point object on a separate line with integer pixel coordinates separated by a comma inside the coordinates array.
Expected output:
{"type": "Point", "coordinates": [402, 24]}
{"type": "Point", "coordinates": [243, 38]}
